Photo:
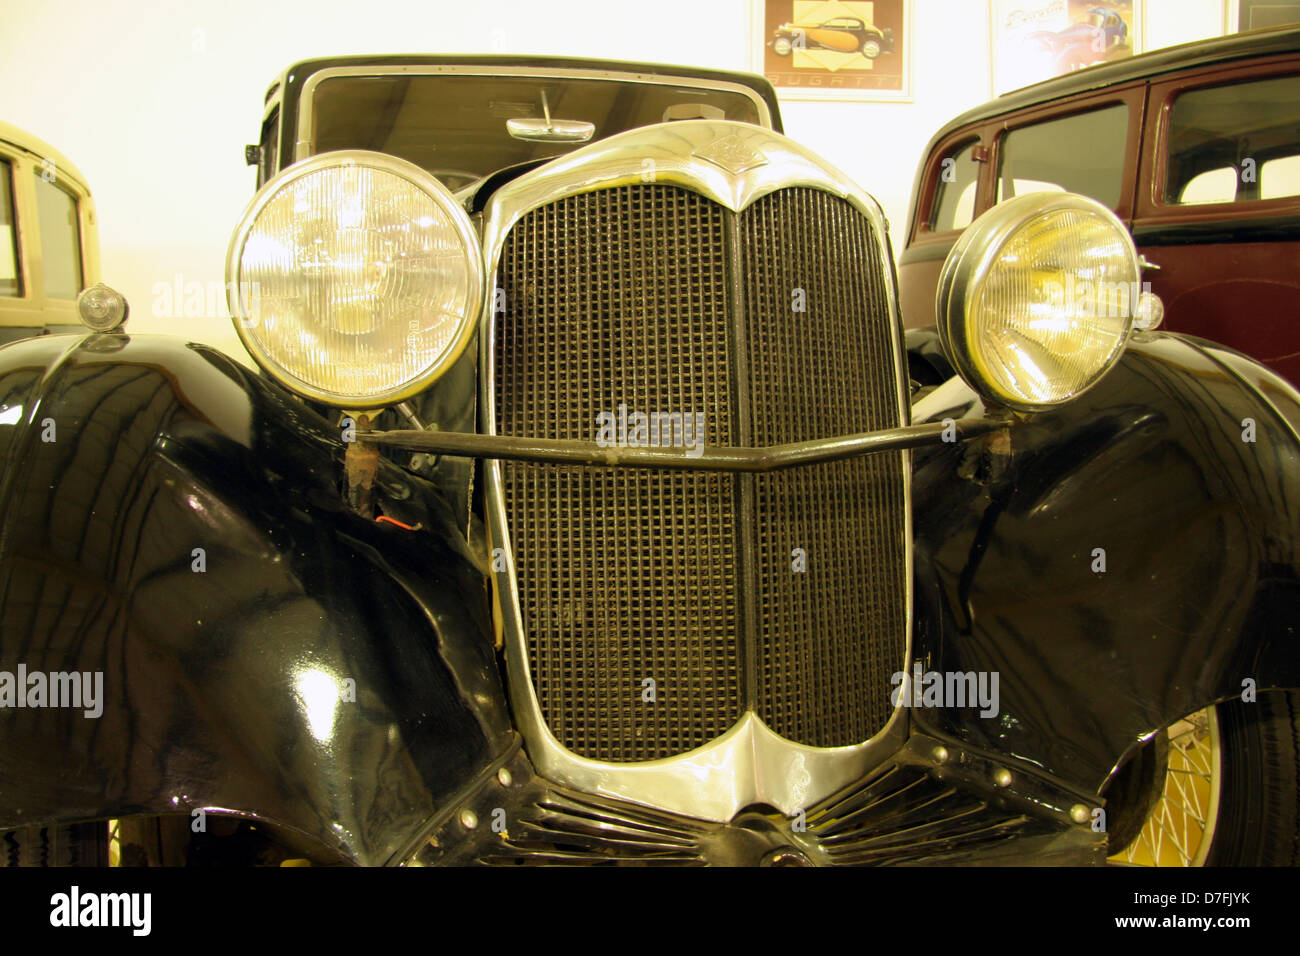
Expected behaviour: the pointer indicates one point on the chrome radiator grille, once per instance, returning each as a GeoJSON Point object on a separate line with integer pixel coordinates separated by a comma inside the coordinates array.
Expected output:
{"type": "Point", "coordinates": [831, 637]}
{"type": "Point", "coordinates": [656, 298]}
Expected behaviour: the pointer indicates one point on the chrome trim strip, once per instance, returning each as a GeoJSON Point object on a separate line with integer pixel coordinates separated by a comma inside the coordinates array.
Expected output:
{"type": "Point", "coordinates": [304, 145]}
{"type": "Point", "coordinates": [749, 763]}
{"type": "Point", "coordinates": [718, 458]}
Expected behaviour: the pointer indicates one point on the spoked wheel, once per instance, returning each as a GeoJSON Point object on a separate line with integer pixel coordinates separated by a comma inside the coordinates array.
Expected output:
{"type": "Point", "coordinates": [1180, 826]}
{"type": "Point", "coordinates": [871, 48]}
{"type": "Point", "coordinates": [1217, 788]}
{"type": "Point", "coordinates": [781, 46]}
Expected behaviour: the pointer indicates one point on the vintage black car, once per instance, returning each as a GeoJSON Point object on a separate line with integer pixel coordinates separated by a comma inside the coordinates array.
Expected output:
{"type": "Point", "coordinates": [590, 507]}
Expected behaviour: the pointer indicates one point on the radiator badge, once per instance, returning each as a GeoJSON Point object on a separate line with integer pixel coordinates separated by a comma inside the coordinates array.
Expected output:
{"type": "Point", "coordinates": [731, 153]}
{"type": "Point", "coordinates": [633, 429]}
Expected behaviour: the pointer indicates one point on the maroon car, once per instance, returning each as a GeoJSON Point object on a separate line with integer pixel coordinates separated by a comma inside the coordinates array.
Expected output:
{"type": "Point", "coordinates": [1196, 148]}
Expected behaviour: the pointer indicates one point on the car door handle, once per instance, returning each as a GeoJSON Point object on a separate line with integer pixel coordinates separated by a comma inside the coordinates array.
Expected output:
{"type": "Point", "coordinates": [1144, 263]}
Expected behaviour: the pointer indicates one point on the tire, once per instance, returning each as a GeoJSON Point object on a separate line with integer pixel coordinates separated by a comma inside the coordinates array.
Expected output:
{"type": "Point", "coordinates": [781, 46]}
{"type": "Point", "coordinates": [871, 48]}
{"type": "Point", "coordinates": [1258, 823]}
{"type": "Point", "coordinates": [1217, 788]}
{"type": "Point", "coordinates": [77, 844]}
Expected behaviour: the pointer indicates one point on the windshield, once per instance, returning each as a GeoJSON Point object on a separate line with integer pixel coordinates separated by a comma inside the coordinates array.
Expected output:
{"type": "Point", "coordinates": [454, 125]}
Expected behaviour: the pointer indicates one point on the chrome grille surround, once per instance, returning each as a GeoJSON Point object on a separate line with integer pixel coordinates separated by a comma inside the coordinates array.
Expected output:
{"type": "Point", "coordinates": [734, 165]}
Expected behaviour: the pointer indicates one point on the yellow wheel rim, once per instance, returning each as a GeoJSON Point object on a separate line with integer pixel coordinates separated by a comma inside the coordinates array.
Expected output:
{"type": "Point", "coordinates": [1180, 829]}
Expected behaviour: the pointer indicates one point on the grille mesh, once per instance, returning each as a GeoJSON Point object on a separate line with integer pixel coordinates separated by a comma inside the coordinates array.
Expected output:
{"type": "Point", "coordinates": [827, 634]}
{"type": "Point", "coordinates": [626, 296]}
{"type": "Point", "coordinates": [624, 574]}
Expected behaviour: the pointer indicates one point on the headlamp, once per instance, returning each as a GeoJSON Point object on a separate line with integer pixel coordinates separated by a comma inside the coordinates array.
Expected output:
{"type": "Point", "coordinates": [354, 278]}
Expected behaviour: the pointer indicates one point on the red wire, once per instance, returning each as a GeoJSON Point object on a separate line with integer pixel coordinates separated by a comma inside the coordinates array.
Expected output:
{"type": "Point", "coordinates": [400, 524]}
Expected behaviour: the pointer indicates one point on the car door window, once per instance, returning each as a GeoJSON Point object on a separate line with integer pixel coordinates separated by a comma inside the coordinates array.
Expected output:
{"type": "Point", "coordinates": [1279, 178]}
{"type": "Point", "coordinates": [954, 198]}
{"type": "Point", "coordinates": [1213, 185]}
{"type": "Point", "coordinates": [60, 239]}
{"type": "Point", "coordinates": [1235, 143]}
{"type": "Point", "coordinates": [10, 280]}
{"type": "Point", "coordinates": [1081, 153]}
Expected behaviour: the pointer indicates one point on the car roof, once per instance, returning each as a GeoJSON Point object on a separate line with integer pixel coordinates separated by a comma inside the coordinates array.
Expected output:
{"type": "Point", "coordinates": [296, 75]}
{"type": "Point", "coordinates": [1255, 43]}
{"type": "Point", "coordinates": [42, 150]}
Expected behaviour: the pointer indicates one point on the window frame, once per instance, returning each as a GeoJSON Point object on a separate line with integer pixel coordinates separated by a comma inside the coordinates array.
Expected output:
{"type": "Point", "coordinates": [62, 184]}
{"type": "Point", "coordinates": [1152, 208]}
{"type": "Point", "coordinates": [20, 259]}
{"type": "Point", "coordinates": [991, 134]}
{"type": "Point", "coordinates": [938, 191]}
{"type": "Point", "coordinates": [1132, 95]}
{"type": "Point", "coordinates": [33, 309]}
{"type": "Point", "coordinates": [930, 191]}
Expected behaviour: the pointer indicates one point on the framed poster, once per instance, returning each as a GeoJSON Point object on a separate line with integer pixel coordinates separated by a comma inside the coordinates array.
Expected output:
{"type": "Point", "coordinates": [1035, 40]}
{"type": "Point", "coordinates": [834, 49]}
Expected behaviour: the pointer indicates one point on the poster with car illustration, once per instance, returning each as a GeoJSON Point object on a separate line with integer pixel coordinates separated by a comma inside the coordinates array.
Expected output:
{"type": "Point", "coordinates": [1034, 41]}
{"type": "Point", "coordinates": [834, 50]}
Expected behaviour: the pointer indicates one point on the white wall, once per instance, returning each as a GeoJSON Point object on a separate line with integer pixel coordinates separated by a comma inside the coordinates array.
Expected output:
{"type": "Point", "coordinates": [154, 100]}
{"type": "Point", "coordinates": [1170, 22]}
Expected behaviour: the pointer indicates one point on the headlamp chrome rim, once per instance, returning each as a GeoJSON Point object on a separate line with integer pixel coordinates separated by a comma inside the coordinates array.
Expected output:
{"type": "Point", "coordinates": [968, 264]}
{"type": "Point", "coordinates": [423, 181]}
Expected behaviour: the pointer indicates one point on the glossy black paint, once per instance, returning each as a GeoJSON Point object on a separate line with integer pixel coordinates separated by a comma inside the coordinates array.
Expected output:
{"type": "Point", "coordinates": [927, 364]}
{"type": "Point", "coordinates": [225, 688]}
{"type": "Point", "coordinates": [1201, 533]}
{"type": "Point", "coordinates": [220, 685]}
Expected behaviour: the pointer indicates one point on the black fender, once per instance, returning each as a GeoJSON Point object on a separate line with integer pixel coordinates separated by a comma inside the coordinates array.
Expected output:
{"type": "Point", "coordinates": [173, 521]}
{"type": "Point", "coordinates": [926, 362]}
{"type": "Point", "coordinates": [1200, 530]}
